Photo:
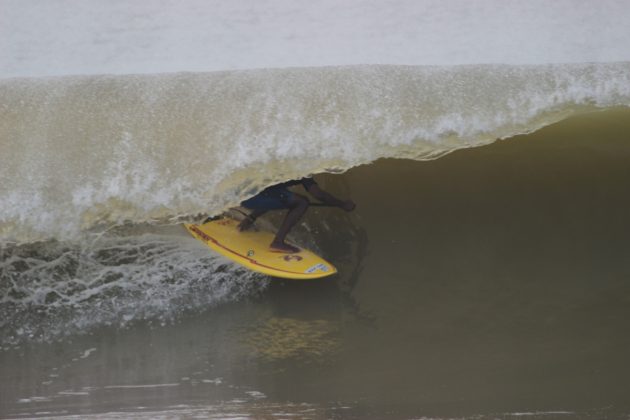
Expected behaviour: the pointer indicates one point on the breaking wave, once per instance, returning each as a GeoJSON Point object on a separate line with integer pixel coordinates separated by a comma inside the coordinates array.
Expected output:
{"type": "Point", "coordinates": [86, 151]}
{"type": "Point", "coordinates": [97, 171]}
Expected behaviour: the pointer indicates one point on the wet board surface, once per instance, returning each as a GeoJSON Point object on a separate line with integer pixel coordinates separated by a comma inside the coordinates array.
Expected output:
{"type": "Point", "coordinates": [251, 250]}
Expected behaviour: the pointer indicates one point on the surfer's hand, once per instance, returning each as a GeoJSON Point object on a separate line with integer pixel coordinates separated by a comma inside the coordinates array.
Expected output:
{"type": "Point", "coordinates": [348, 205]}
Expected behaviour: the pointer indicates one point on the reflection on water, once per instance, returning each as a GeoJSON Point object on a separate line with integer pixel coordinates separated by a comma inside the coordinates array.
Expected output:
{"type": "Point", "coordinates": [276, 339]}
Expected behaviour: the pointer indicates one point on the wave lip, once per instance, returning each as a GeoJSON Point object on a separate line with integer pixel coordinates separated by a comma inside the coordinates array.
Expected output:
{"type": "Point", "coordinates": [83, 150]}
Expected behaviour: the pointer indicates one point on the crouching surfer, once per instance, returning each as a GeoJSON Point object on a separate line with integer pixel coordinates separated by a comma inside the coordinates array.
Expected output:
{"type": "Point", "coordinates": [278, 197]}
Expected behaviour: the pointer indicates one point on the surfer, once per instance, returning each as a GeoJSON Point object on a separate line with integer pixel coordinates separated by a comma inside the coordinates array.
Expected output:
{"type": "Point", "coordinates": [278, 197]}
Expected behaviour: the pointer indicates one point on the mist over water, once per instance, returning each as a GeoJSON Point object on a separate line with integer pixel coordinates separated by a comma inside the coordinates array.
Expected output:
{"type": "Point", "coordinates": [74, 37]}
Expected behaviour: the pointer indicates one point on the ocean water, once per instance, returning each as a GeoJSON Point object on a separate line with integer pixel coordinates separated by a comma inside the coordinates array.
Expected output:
{"type": "Point", "coordinates": [484, 273]}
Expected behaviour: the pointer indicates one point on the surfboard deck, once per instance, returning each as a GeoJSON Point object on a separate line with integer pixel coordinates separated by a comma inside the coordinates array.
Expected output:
{"type": "Point", "coordinates": [251, 250]}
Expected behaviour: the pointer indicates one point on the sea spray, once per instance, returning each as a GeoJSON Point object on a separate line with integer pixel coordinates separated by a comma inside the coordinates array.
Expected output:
{"type": "Point", "coordinates": [49, 290]}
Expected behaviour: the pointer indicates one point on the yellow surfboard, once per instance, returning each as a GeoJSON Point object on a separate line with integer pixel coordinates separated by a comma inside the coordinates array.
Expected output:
{"type": "Point", "coordinates": [251, 250]}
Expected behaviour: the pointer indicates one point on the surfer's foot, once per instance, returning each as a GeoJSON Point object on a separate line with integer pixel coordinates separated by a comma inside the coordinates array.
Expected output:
{"type": "Point", "coordinates": [277, 246]}
{"type": "Point", "coordinates": [245, 224]}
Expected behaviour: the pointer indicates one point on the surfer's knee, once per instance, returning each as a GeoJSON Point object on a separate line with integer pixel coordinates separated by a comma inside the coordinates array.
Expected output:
{"type": "Point", "coordinates": [299, 201]}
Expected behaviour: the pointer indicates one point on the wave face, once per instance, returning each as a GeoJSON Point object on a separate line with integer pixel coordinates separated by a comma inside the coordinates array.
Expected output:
{"type": "Point", "coordinates": [516, 252]}
{"type": "Point", "coordinates": [78, 152]}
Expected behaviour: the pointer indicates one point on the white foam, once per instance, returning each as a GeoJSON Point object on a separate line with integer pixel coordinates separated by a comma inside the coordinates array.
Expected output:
{"type": "Point", "coordinates": [216, 381]}
{"type": "Point", "coordinates": [140, 386]}
{"type": "Point", "coordinates": [67, 289]}
{"type": "Point", "coordinates": [87, 353]}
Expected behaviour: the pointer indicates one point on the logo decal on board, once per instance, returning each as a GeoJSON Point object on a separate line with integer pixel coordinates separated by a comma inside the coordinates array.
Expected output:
{"type": "Point", "coordinates": [290, 258]}
{"type": "Point", "coordinates": [320, 266]}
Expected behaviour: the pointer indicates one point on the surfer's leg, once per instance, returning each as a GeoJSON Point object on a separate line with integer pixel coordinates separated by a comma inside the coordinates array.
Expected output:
{"type": "Point", "coordinates": [270, 199]}
{"type": "Point", "coordinates": [298, 206]}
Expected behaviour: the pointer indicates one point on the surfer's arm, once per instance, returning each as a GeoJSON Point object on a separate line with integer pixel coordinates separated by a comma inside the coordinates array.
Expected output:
{"type": "Point", "coordinates": [327, 198]}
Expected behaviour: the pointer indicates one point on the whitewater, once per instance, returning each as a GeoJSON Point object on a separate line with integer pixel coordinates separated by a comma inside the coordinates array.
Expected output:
{"type": "Point", "coordinates": [482, 274]}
